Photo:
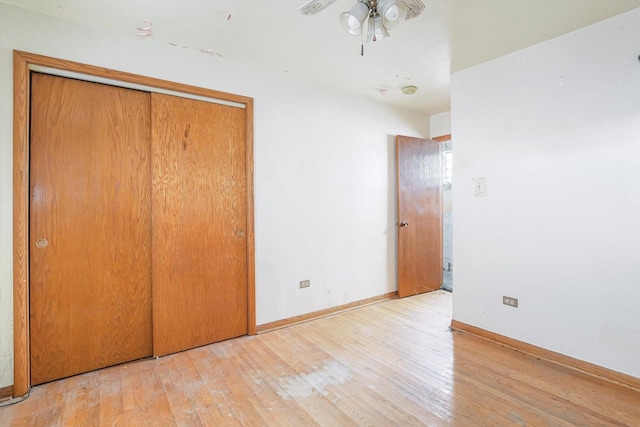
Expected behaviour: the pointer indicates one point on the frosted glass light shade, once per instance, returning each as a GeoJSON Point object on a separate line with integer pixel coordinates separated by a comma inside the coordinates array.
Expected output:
{"type": "Point", "coordinates": [393, 12]}
{"type": "Point", "coordinates": [376, 29]}
{"type": "Point", "coordinates": [353, 20]}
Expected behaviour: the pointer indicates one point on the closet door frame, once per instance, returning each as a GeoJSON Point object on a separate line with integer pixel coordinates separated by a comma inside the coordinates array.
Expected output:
{"type": "Point", "coordinates": [23, 64]}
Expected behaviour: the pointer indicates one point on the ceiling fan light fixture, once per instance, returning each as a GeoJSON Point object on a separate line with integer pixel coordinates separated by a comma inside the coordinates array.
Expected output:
{"type": "Point", "coordinates": [377, 31]}
{"type": "Point", "coordinates": [382, 15]}
{"type": "Point", "coordinates": [353, 20]}
{"type": "Point", "coordinates": [393, 12]}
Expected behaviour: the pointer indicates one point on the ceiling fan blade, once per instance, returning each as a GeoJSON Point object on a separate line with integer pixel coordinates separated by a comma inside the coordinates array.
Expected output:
{"type": "Point", "coordinates": [415, 8]}
{"type": "Point", "coordinates": [314, 6]}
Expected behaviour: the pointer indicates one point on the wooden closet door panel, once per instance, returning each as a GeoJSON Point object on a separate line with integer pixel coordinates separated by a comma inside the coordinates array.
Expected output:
{"type": "Point", "coordinates": [90, 178]}
{"type": "Point", "coordinates": [199, 223]}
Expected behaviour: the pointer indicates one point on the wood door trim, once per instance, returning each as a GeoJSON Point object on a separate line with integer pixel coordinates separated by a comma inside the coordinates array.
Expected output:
{"type": "Point", "coordinates": [123, 76]}
{"type": "Point", "coordinates": [21, 104]}
{"type": "Point", "coordinates": [442, 138]}
{"type": "Point", "coordinates": [22, 61]}
{"type": "Point", "coordinates": [251, 255]}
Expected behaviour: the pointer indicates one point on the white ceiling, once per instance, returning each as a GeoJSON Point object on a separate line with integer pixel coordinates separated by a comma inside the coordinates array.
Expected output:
{"type": "Point", "coordinates": [272, 35]}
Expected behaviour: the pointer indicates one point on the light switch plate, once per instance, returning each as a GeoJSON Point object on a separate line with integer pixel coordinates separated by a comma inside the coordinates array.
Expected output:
{"type": "Point", "coordinates": [479, 186]}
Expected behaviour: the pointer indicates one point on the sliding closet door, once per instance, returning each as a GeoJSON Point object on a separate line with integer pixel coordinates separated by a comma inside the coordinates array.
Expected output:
{"type": "Point", "coordinates": [199, 223]}
{"type": "Point", "coordinates": [90, 227]}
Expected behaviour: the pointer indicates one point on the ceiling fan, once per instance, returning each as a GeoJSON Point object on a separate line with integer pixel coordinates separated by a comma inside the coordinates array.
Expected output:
{"type": "Point", "coordinates": [382, 15]}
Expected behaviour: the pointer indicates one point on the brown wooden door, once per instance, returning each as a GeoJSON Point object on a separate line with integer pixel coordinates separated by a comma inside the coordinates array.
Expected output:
{"type": "Point", "coordinates": [199, 223]}
{"type": "Point", "coordinates": [90, 227]}
{"type": "Point", "coordinates": [419, 215]}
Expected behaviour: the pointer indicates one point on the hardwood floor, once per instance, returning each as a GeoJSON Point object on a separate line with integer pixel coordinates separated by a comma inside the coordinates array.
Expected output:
{"type": "Point", "coordinates": [387, 364]}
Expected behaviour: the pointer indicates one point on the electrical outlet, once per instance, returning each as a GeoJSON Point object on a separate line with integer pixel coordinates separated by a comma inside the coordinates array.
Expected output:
{"type": "Point", "coordinates": [510, 301]}
{"type": "Point", "coordinates": [305, 284]}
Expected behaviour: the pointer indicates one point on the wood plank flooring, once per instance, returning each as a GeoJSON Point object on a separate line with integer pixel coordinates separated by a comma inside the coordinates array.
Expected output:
{"type": "Point", "coordinates": [394, 363]}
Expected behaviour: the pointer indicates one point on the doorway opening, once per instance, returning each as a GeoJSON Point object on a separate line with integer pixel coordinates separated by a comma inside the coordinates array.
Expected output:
{"type": "Point", "coordinates": [447, 217]}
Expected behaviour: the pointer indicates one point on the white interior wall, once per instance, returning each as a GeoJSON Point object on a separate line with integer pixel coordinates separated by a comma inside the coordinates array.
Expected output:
{"type": "Point", "coordinates": [440, 124]}
{"type": "Point", "coordinates": [324, 181]}
{"type": "Point", "coordinates": [554, 128]}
